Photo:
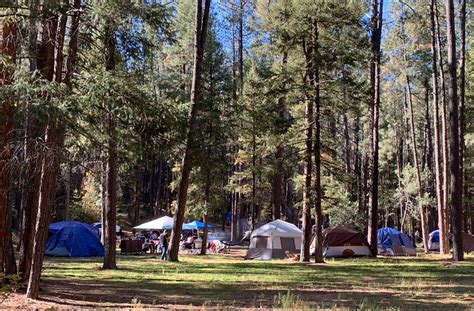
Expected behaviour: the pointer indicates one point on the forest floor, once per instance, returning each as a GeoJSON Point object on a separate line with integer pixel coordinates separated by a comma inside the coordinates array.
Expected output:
{"type": "Point", "coordinates": [228, 282]}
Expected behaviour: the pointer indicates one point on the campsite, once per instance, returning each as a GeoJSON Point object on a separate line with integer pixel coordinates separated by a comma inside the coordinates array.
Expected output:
{"type": "Point", "coordinates": [237, 154]}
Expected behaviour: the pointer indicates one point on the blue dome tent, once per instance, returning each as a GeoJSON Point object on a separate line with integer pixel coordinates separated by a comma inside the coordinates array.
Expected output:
{"type": "Point", "coordinates": [392, 242]}
{"type": "Point", "coordinates": [73, 239]}
{"type": "Point", "coordinates": [433, 242]}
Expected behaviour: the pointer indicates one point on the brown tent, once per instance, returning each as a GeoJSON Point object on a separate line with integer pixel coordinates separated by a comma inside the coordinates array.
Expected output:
{"type": "Point", "coordinates": [340, 241]}
{"type": "Point", "coordinates": [468, 242]}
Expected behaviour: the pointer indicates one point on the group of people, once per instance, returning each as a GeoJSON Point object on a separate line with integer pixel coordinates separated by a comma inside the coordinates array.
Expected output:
{"type": "Point", "coordinates": [154, 241]}
{"type": "Point", "coordinates": [163, 240]}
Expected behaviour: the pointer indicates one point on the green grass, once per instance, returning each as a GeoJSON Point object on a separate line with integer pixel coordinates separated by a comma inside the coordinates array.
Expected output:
{"type": "Point", "coordinates": [224, 282]}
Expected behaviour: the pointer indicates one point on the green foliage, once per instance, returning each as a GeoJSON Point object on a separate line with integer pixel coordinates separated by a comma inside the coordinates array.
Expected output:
{"type": "Point", "coordinates": [88, 208]}
{"type": "Point", "coordinates": [338, 206]}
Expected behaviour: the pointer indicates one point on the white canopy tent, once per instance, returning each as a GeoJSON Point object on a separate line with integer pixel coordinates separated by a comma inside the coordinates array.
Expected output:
{"type": "Point", "coordinates": [273, 240]}
{"type": "Point", "coordinates": [161, 223]}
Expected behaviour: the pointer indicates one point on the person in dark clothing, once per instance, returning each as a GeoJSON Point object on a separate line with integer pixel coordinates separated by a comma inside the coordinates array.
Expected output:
{"type": "Point", "coordinates": [164, 245]}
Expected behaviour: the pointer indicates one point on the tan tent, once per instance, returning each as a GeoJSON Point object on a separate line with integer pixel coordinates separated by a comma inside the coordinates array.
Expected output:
{"type": "Point", "coordinates": [273, 240]}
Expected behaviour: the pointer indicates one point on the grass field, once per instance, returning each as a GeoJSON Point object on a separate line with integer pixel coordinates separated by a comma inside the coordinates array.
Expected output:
{"type": "Point", "coordinates": [222, 281]}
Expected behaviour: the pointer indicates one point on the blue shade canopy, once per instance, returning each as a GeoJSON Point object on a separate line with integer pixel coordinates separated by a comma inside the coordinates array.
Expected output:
{"type": "Point", "coordinates": [73, 239]}
{"type": "Point", "coordinates": [197, 225]}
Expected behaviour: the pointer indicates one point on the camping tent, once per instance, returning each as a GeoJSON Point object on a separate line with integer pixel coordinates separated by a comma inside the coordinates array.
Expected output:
{"type": "Point", "coordinates": [98, 225]}
{"type": "Point", "coordinates": [467, 239]}
{"type": "Point", "coordinates": [161, 223]}
{"type": "Point", "coordinates": [433, 242]}
{"type": "Point", "coordinates": [468, 242]}
{"type": "Point", "coordinates": [73, 239]}
{"type": "Point", "coordinates": [339, 241]}
{"type": "Point", "coordinates": [392, 242]}
{"type": "Point", "coordinates": [197, 225]}
{"type": "Point", "coordinates": [273, 240]}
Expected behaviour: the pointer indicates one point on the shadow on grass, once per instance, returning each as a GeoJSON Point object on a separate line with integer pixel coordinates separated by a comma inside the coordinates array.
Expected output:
{"type": "Point", "coordinates": [408, 284]}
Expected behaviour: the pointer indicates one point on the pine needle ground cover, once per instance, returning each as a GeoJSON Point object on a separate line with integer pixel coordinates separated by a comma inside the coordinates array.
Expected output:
{"type": "Point", "coordinates": [228, 282]}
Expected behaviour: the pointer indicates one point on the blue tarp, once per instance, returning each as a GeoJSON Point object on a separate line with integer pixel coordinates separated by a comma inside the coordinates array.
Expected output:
{"type": "Point", "coordinates": [73, 239]}
{"type": "Point", "coordinates": [386, 237]}
{"type": "Point", "coordinates": [197, 225]}
{"type": "Point", "coordinates": [434, 236]}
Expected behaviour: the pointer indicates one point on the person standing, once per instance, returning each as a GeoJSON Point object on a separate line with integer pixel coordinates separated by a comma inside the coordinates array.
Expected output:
{"type": "Point", "coordinates": [164, 245]}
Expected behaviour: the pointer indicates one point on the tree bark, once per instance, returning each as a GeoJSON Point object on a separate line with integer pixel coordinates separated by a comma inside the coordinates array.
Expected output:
{"type": "Point", "coordinates": [462, 108]}
{"type": "Point", "coordinates": [54, 140]}
{"type": "Point", "coordinates": [111, 171]}
{"type": "Point", "coordinates": [437, 154]}
{"type": "Point", "coordinates": [317, 150]}
{"type": "Point", "coordinates": [234, 231]}
{"type": "Point", "coordinates": [45, 65]}
{"type": "Point", "coordinates": [401, 202]}
{"type": "Point", "coordinates": [427, 162]}
{"type": "Point", "coordinates": [67, 192]}
{"type": "Point", "coordinates": [308, 163]}
{"type": "Point", "coordinates": [136, 198]}
{"type": "Point", "coordinates": [277, 187]}
{"type": "Point", "coordinates": [454, 164]}
{"type": "Point", "coordinates": [347, 154]}
{"type": "Point", "coordinates": [359, 184]}
{"type": "Point", "coordinates": [33, 160]}
{"type": "Point", "coordinates": [109, 231]}
{"type": "Point", "coordinates": [376, 27]}
{"type": "Point", "coordinates": [444, 137]}
{"type": "Point", "coordinates": [289, 203]}
{"type": "Point", "coordinates": [201, 21]}
{"type": "Point", "coordinates": [158, 190]}
{"type": "Point", "coordinates": [8, 48]}
{"type": "Point", "coordinates": [205, 233]}
{"type": "Point", "coordinates": [277, 184]}
{"type": "Point", "coordinates": [43, 60]}
{"type": "Point", "coordinates": [428, 142]}
{"type": "Point", "coordinates": [49, 173]}
{"type": "Point", "coordinates": [416, 165]}
{"type": "Point", "coordinates": [241, 44]}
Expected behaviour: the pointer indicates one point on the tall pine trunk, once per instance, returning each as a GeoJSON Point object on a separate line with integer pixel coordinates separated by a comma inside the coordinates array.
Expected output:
{"type": "Point", "coordinates": [136, 198]}
{"type": "Point", "coordinates": [376, 27]}
{"type": "Point", "coordinates": [49, 173]}
{"type": "Point", "coordinates": [277, 183]}
{"type": "Point", "coordinates": [462, 108]}
{"type": "Point", "coordinates": [45, 63]}
{"type": "Point", "coordinates": [437, 155]}
{"type": "Point", "coordinates": [54, 137]}
{"type": "Point", "coordinates": [454, 164]}
{"type": "Point", "coordinates": [416, 165]}
{"type": "Point", "coordinates": [317, 149]}
{"type": "Point", "coordinates": [7, 68]}
{"type": "Point", "coordinates": [111, 166]}
{"type": "Point", "coordinates": [307, 159]}
{"type": "Point", "coordinates": [427, 162]}
{"type": "Point", "coordinates": [32, 157]}
{"type": "Point", "coordinates": [201, 21]}
{"type": "Point", "coordinates": [67, 192]}
{"type": "Point", "coordinates": [443, 220]}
